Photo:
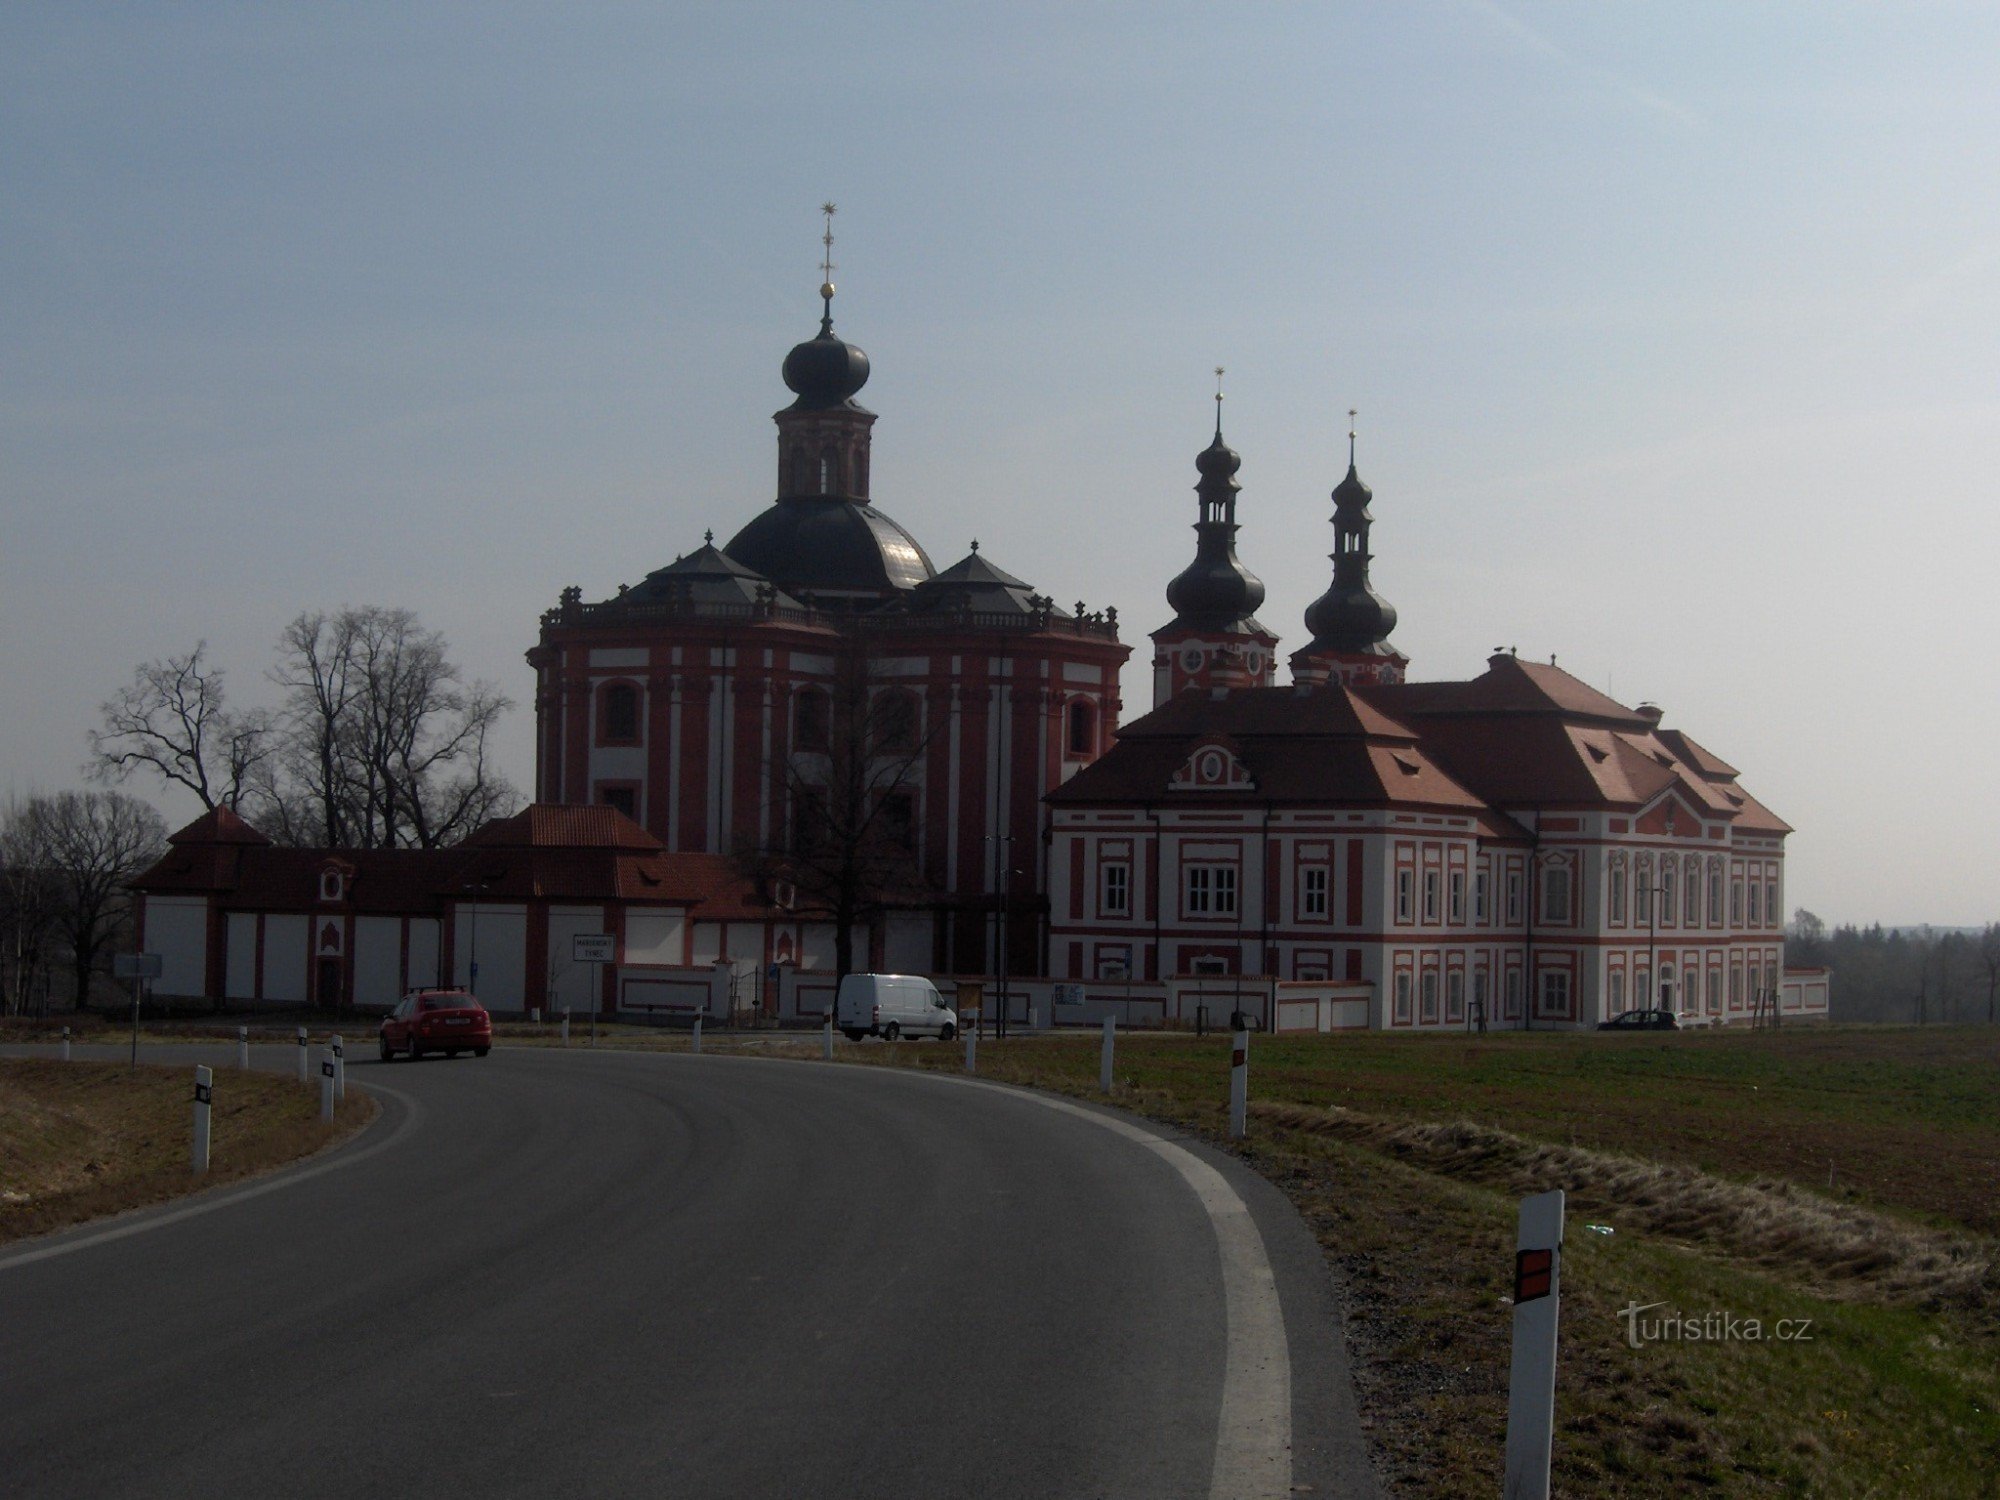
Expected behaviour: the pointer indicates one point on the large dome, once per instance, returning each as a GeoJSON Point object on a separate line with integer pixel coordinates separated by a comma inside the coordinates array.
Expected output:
{"type": "Point", "coordinates": [830, 547]}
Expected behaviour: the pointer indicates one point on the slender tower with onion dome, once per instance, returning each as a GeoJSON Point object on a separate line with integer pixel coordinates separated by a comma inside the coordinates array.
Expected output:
{"type": "Point", "coordinates": [1350, 622]}
{"type": "Point", "coordinates": [1214, 639]}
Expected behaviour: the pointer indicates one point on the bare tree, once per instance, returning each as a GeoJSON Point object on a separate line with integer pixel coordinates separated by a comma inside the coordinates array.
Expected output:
{"type": "Point", "coordinates": [27, 911]}
{"type": "Point", "coordinates": [1989, 960]}
{"type": "Point", "coordinates": [88, 846]}
{"type": "Point", "coordinates": [384, 745]}
{"type": "Point", "coordinates": [172, 722]}
{"type": "Point", "coordinates": [849, 785]}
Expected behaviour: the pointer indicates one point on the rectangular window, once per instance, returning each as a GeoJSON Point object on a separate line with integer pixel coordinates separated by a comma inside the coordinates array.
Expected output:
{"type": "Point", "coordinates": [1430, 997]}
{"type": "Point", "coordinates": [1454, 995]}
{"type": "Point", "coordinates": [1513, 995]}
{"type": "Point", "coordinates": [1403, 999]}
{"type": "Point", "coordinates": [1479, 992]}
{"type": "Point", "coordinates": [1554, 998]}
{"type": "Point", "coordinates": [1642, 989]}
{"type": "Point", "coordinates": [1430, 895]}
{"type": "Point", "coordinates": [1455, 899]}
{"type": "Point", "coordinates": [1736, 987]}
{"type": "Point", "coordinates": [1771, 903]}
{"type": "Point", "coordinates": [1614, 997]}
{"type": "Point", "coordinates": [1667, 894]}
{"type": "Point", "coordinates": [1715, 895]}
{"type": "Point", "coordinates": [1406, 881]}
{"type": "Point", "coordinates": [624, 798]}
{"type": "Point", "coordinates": [1211, 890]}
{"type": "Point", "coordinates": [1715, 992]}
{"type": "Point", "coordinates": [1481, 898]}
{"type": "Point", "coordinates": [1617, 902]}
{"type": "Point", "coordinates": [1754, 920]}
{"type": "Point", "coordinates": [1312, 891]}
{"type": "Point", "coordinates": [1667, 987]}
{"type": "Point", "coordinates": [1692, 915]}
{"type": "Point", "coordinates": [1736, 904]}
{"type": "Point", "coordinates": [1555, 895]}
{"type": "Point", "coordinates": [1115, 893]}
{"type": "Point", "coordinates": [1114, 960]}
{"type": "Point", "coordinates": [1513, 898]}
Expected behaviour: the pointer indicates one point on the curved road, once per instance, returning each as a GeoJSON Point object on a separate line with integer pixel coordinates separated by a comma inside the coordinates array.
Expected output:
{"type": "Point", "coordinates": [608, 1274]}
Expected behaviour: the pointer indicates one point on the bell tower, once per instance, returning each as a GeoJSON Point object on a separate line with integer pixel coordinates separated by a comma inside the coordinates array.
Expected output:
{"type": "Point", "coordinates": [1214, 639]}
{"type": "Point", "coordinates": [823, 436]}
{"type": "Point", "coordinates": [1350, 622]}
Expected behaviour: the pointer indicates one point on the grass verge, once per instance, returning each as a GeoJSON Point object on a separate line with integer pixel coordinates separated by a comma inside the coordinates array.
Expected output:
{"type": "Point", "coordinates": [80, 1140]}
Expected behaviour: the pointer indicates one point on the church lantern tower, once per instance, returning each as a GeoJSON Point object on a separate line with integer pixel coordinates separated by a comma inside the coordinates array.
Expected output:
{"type": "Point", "coordinates": [1350, 622]}
{"type": "Point", "coordinates": [1214, 639]}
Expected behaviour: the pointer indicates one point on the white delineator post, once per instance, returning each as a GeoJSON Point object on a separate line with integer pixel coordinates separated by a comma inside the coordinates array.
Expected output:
{"type": "Point", "coordinates": [325, 1086]}
{"type": "Point", "coordinates": [1104, 1061]}
{"type": "Point", "coordinates": [565, 1025]}
{"type": "Point", "coordinates": [1239, 1084]}
{"type": "Point", "coordinates": [826, 1050]}
{"type": "Point", "coordinates": [339, 1068]}
{"type": "Point", "coordinates": [243, 1048]}
{"type": "Point", "coordinates": [204, 1082]}
{"type": "Point", "coordinates": [304, 1058]}
{"type": "Point", "coordinates": [697, 1034]}
{"type": "Point", "coordinates": [1531, 1383]}
{"type": "Point", "coordinates": [972, 1047]}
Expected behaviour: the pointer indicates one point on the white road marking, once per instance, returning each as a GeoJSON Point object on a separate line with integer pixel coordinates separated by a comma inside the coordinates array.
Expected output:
{"type": "Point", "coordinates": [208, 1203]}
{"type": "Point", "coordinates": [1253, 1434]}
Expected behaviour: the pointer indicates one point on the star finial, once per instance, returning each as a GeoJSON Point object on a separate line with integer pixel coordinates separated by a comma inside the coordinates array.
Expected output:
{"type": "Point", "coordinates": [975, 544]}
{"type": "Point", "coordinates": [1219, 373]}
{"type": "Point", "coordinates": [826, 265]}
{"type": "Point", "coordinates": [1352, 413]}
{"type": "Point", "coordinates": [708, 538]}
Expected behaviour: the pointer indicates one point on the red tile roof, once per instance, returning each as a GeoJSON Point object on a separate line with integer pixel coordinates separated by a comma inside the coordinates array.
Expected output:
{"type": "Point", "coordinates": [218, 826]}
{"type": "Point", "coordinates": [561, 825]}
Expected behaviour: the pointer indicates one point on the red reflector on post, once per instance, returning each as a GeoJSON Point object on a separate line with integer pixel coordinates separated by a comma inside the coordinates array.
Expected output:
{"type": "Point", "coordinates": [1533, 1271]}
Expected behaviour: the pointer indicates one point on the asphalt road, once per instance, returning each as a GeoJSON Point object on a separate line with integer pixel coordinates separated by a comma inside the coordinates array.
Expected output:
{"type": "Point", "coordinates": [600, 1274]}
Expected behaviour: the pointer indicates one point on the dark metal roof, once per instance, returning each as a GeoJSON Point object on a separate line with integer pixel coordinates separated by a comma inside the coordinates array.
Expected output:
{"type": "Point", "coordinates": [828, 546]}
{"type": "Point", "coordinates": [708, 576]}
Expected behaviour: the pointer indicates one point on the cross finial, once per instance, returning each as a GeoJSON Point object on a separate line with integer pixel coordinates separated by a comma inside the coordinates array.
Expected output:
{"type": "Point", "coordinates": [1352, 413]}
{"type": "Point", "coordinates": [975, 544]}
{"type": "Point", "coordinates": [708, 538]}
{"type": "Point", "coordinates": [1219, 373]}
{"type": "Point", "coordinates": [826, 263]}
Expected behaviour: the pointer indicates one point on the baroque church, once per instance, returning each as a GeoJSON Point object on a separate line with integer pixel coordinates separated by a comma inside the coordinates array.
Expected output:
{"type": "Point", "coordinates": [809, 749]}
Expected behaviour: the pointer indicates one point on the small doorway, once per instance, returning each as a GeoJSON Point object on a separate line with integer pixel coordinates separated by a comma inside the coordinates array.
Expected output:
{"type": "Point", "coordinates": [326, 992]}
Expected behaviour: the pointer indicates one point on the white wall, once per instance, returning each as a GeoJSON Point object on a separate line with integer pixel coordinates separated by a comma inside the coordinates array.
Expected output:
{"type": "Point", "coordinates": [906, 945]}
{"type": "Point", "coordinates": [653, 936]}
{"type": "Point", "coordinates": [177, 930]}
{"type": "Point", "coordinates": [423, 969]}
{"type": "Point", "coordinates": [500, 935]}
{"type": "Point", "coordinates": [378, 960]}
{"type": "Point", "coordinates": [239, 963]}
{"type": "Point", "coordinates": [285, 959]}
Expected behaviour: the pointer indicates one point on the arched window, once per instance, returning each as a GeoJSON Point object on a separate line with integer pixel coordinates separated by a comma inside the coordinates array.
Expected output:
{"type": "Point", "coordinates": [895, 715]}
{"type": "Point", "coordinates": [618, 714]}
{"type": "Point", "coordinates": [809, 729]}
{"type": "Point", "coordinates": [1082, 727]}
{"type": "Point", "coordinates": [829, 472]}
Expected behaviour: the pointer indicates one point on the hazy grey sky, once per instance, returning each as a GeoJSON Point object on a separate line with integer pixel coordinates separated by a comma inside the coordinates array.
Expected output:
{"type": "Point", "coordinates": [1675, 331]}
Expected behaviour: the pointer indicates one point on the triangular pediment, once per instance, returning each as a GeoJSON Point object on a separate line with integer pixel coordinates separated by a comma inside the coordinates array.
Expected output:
{"type": "Point", "coordinates": [1668, 807]}
{"type": "Point", "coordinates": [1213, 766]}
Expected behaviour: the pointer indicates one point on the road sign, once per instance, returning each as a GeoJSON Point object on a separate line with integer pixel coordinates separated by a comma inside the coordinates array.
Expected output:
{"type": "Point", "coordinates": [137, 965]}
{"type": "Point", "coordinates": [591, 948]}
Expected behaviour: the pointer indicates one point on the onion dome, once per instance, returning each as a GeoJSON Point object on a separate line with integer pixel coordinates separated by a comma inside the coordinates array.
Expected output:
{"type": "Point", "coordinates": [824, 548]}
{"type": "Point", "coordinates": [825, 371]}
{"type": "Point", "coordinates": [1216, 592]}
{"type": "Point", "coordinates": [1350, 616]}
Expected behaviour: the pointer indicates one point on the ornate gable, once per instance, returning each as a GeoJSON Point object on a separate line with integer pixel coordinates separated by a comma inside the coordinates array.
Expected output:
{"type": "Point", "coordinates": [1214, 766]}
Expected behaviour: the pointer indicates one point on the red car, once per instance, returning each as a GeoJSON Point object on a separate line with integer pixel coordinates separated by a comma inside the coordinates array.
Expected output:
{"type": "Point", "coordinates": [447, 1021]}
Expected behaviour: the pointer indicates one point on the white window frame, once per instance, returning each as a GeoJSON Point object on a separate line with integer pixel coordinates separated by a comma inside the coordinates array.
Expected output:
{"type": "Point", "coordinates": [1210, 890]}
{"type": "Point", "coordinates": [1406, 893]}
{"type": "Point", "coordinates": [1114, 889]}
{"type": "Point", "coordinates": [1454, 898]}
{"type": "Point", "coordinates": [1315, 891]}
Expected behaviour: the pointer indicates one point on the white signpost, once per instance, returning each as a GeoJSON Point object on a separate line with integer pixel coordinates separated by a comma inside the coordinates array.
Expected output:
{"type": "Point", "coordinates": [1531, 1383]}
{"type": "Point", "coordinates": [596, 949]}
{"type": "Point", "coordinates": [1239, 1084]}
{"type": "Point", "coordinates": [204, 1083]}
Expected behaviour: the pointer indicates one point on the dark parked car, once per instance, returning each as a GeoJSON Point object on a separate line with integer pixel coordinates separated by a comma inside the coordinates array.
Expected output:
{"type": "Point", "coordinates": [1641, 1020]}
{"type": "Point", "coordinates": [447, 1021]}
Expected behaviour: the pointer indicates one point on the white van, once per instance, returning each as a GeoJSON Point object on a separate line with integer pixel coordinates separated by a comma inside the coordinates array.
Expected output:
{"type": "Point", "coordinates": [891, 1006]}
